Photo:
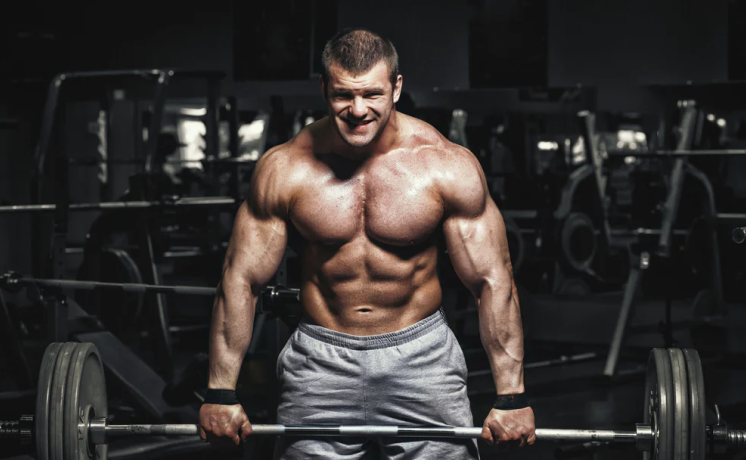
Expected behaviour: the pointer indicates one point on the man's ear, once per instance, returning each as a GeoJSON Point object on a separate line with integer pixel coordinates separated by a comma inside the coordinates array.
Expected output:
{"type": "Point", "coordinates": [397, 88]}
{"type": "Point", "coordinates": [323, 87]}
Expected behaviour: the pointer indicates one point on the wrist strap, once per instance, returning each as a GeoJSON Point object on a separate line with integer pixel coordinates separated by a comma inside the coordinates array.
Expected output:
{"type": "Point", "coordinates": [222, 397]}
{"type": "Point", "coordinates": [511, 402]}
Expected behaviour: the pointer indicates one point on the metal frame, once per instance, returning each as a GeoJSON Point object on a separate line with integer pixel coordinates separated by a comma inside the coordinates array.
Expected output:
{"type": "Point", "coordinates": [160, 327]}
{"type": "Point", "coordinates": [679, 170]}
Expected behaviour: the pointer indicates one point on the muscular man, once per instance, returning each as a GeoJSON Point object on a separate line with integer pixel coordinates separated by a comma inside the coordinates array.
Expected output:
{"type": "Point", "coordinates": [369, 189]}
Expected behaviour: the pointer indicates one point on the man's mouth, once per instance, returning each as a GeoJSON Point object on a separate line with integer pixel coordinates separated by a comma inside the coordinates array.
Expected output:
{"type": "Point", "coordinates": [358, 124]}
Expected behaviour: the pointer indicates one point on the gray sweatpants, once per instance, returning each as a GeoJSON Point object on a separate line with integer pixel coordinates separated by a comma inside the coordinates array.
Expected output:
{"type": "Point", "coordinates": [412, 377]}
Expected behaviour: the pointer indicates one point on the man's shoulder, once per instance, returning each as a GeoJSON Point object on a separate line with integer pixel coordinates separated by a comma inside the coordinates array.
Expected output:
{"type": "Point", "coordinates": [429, 143]}
{"type": "Point", "coordinates": [277, 176]}
{"type": "Point", "coordinates": [285, 161]}
{"type": "Point", "coordinates": [454, 169]}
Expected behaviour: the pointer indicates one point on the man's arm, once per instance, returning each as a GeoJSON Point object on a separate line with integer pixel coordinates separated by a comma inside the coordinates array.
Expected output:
{"type": "Point", "coordinates": [255, 250]}
{"type": "Point", "coordinates": [478, 246]}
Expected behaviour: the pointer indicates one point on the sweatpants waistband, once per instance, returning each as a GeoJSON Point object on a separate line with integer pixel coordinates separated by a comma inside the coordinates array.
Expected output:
{"type": "Point", "coordinates": [372, 342]}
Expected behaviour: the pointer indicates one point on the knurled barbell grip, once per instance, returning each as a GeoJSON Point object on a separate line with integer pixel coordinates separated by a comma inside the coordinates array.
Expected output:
{"type": "Point", "coordinates": [551, 434]}
{"type": "Point", "coordinates": [737, 439]}
{"type": "Point", "coordinates": [546, 434]}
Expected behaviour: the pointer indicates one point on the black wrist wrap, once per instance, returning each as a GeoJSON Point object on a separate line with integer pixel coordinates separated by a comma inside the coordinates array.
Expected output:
{"type": "Point", "coordinates": [511, 402]}
{"type": "Point", "coordinates": [222, 397]}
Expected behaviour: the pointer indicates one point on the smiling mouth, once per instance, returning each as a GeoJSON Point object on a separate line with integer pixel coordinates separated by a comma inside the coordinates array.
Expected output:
{"type": "Point", "coordinates": [360, 124]}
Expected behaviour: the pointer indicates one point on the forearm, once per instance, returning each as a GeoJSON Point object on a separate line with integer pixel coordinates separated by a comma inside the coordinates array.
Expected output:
{"type": "Point", "coordinates": [501, 331]}
{"type": "Point", "coordinates": [230, 331]}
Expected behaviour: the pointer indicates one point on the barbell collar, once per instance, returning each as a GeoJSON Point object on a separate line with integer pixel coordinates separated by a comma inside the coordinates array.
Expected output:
{"type": "Point", "coordinates": [644, 437]}
{"type": "Point", "coordinates": [725, 439]}
{"type": "Point", "coordinates": [97, 430]}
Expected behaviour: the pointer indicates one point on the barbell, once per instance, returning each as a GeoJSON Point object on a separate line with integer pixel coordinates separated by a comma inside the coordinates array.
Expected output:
{"type": "Point", "coordinates": [174, 202]}
{"type": "Point", "coordinates": [71, 414]}
{"type": "Point", "coordinates": [13, 282]}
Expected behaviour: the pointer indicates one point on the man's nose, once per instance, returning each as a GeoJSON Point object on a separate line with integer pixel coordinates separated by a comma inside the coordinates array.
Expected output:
{"type": "Point", "coordinates": [358, 109]}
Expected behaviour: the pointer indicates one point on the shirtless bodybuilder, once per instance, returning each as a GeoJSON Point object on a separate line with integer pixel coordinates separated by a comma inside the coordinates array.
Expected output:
{"type": "Point", "coordinates": [369, 189]}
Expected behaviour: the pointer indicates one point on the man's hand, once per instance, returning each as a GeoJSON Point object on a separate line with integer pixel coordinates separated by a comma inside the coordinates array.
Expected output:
{"type": "Point", "coordinates": [510, 425]}
{"type": "Point", "coordinates": [223, 426]}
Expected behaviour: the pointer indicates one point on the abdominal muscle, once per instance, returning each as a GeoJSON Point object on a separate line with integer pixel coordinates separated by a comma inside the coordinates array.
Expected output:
{"type": "Point", "coordinates": [362, 288]}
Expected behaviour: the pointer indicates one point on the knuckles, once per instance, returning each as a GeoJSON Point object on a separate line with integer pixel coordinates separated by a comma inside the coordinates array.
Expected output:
{"type": "Point", "coordinates": [221, 422]}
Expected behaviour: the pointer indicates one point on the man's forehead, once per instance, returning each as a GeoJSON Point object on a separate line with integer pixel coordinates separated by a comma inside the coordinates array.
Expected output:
{"type": "Point", "coordinates": [377, 76]}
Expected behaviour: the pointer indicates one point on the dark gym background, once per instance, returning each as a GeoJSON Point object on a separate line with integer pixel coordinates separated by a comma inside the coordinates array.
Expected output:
{"type": "Point", "coordinates": [520, 70]}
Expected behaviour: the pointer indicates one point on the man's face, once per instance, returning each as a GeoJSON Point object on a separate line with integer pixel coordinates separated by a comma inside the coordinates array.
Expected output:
{"type": "Point", "coordinates": [360, 106]}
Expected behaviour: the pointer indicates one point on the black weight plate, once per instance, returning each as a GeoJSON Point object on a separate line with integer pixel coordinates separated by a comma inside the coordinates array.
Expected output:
{"type": "Point", "coordinates": [680, 404]}
{"type": "Point", "coordinates": [658, 404]}
{"type": "Point", "coordinates": [57, 402]}
{"type": "Point", "coordinates": [85, 398]}
{"type": "Point", "coordinates": [697, 408]}
{"type": "Point", "coordinates": [43, 390]}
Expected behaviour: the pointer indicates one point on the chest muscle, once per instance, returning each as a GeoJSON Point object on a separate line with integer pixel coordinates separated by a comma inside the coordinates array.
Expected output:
{"type": "Point", "coordinates": [391, 210]}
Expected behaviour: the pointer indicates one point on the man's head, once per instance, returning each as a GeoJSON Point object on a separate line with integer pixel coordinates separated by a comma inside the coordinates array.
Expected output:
{"type": "Point", "coordinates": [360, 83]}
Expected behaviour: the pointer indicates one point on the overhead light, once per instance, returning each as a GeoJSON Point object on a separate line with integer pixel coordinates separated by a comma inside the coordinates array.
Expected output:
{"type": "Point", "coordinates": [625, 135]}
{"type": "Point", "coordinates": [548, 145]}
{"type": "Point", "coordinates": [193, 112]}
{"type": "Point", "coordinates": [721, 122]}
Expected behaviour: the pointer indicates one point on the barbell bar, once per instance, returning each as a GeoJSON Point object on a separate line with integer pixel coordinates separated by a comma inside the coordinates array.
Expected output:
{"type": "Point", "coordinates": [207, 160]}
{"type": "Point", "coordinates": [122, 205]}
{"type": "Point", "coordinates": [542, 434]}
{"type": "Point", "coordinates": [72, 408]}
{"type": "Point", "coordinates": [100, 432]}
{"type": "Point", "coordinates": [675, 153]}
{"type": "Point", "coordinates": [12, 281]}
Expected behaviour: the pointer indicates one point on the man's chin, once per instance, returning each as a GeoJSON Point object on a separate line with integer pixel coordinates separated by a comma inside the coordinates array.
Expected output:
{"type": "Point", "coordinates": [355, 141]}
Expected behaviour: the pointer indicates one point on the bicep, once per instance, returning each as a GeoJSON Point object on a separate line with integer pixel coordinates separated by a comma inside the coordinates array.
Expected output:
{"type": "Point", "coordinates": [259, 235]}
{"type": "Point", "coordinates": [478, 247]}
{"type": "Point", "coordinates": [474, 229]}
{"type": "Point", "coordinates": [256, 247]}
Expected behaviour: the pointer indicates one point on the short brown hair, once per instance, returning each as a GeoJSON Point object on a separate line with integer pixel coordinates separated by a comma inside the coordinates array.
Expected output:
{"type": "Point", "coordinates": [357, 51]}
